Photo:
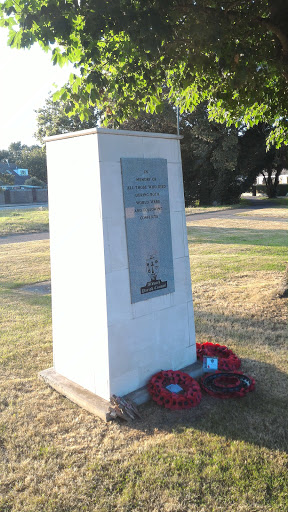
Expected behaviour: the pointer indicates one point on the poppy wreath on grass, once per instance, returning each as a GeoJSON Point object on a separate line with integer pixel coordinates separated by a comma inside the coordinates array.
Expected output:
{"type": "Point", "coordinates": [227, 385]}
{"type": "Point", "coordinates": [188, 397]}
{"type": "Point", "coordinates": [227, 360]}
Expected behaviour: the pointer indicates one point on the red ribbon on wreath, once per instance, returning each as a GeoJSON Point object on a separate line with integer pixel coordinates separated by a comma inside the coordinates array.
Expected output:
{"type": "Point", "coordinates": [190, 396]}
{"type": "Point", "coordinates": [227, 360]}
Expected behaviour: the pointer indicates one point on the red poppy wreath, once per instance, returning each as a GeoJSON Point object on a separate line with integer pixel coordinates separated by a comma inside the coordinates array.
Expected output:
{"type": "Point", "coordinates": [174, 390]}
{"type": "Point", "coordinates": [227, 360]}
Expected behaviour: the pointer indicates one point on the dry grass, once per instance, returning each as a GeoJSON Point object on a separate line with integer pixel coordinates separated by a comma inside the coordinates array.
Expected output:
{"type": "Point", "coordinates": [239, 224]}
{"type": "Point", "coordinates": [223, 456]}
{"type": "Point", "coordinates": [24, 263]}
{"type": "Point", "coordinates": [281, 212]}
{"type": "Point", "coordinates": [34, 220]}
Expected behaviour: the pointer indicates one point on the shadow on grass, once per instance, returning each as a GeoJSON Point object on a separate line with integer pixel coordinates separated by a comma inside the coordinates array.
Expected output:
{"type": "Point", "coordinates": [240, 236]}
{"type": "Point", "coordinates": [260, 418]}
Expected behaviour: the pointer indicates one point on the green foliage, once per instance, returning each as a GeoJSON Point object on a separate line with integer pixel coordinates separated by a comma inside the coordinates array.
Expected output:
{"type": "Point", "coordinates": [32, 158]}
{"type": "Point", "coordinates": [4, 154]}
{"type": "Point", "coordinates": [54, 118]}
{"type": "Point", "coordinates": [35, 182]}
{"type": "Point", "coordinates": [219, 163]}
{"type": "Point", "coordinates": [282, 190]}
{"type": "Point", "coordinates": [209, 154]}
{"type": "Point", "coordinates": [232, 54]}
{"type": "Point", "coordinates": [6, 179]}
{"type": "Point", "coordinates": [15, 150]}
{"type": "Point", "coordinates": [162, 122]}
{"type": "Point", "coordinates": [256, 159]}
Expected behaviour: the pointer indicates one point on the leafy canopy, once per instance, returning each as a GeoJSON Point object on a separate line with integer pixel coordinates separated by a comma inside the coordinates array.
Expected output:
{"type": "Point", "coordinates": [231, 53]}
{"type": "Point", "coordinates": [52, 118]}
{"type": "Point", "coordinates": [32, 158]}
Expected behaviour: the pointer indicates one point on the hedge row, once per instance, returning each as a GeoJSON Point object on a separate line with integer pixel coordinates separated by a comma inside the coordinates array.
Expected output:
{"type": "Point", "coordinates": [282, 190]}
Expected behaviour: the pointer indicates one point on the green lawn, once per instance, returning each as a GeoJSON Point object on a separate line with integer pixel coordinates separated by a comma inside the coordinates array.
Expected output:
{"type": "Point", "coordinates": [280, 201]}
{"type": "Point", "coordinates": [34, 220]}
{"type": "Point", "coordinates": [222, 456]}
{"type": "Point", "coordinates": [244, 202]}
{"type": "Point", "coordinates": [223, 248]}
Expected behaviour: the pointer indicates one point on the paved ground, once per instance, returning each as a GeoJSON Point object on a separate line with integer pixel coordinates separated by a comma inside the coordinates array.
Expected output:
{"type": "Point", "coordinates": [256, 204]}
{"type": "Point", "coordinates": [25, 206]}
{"type": "Point", "coordinates": [26, 237]}
{"type": "Point", "coordinates": [45, 287]}
{"type": "Point", "coordinates": [22, 206]}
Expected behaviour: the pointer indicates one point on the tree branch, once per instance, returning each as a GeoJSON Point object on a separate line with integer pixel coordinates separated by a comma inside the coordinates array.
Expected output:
{"type": "Point", "coordinates": [283, 38]}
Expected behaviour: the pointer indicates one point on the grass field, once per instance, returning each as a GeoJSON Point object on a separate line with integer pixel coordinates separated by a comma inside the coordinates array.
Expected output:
{"type": "Point", "coordinates": [223, 456]}
{"type": "Point", "coordinates": [34, 220]}
{"type": "Point", "coordinates": [280, 212]}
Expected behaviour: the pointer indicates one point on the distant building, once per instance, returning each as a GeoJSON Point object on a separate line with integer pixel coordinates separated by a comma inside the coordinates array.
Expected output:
{"type": "Point", "coordinates": [21, 172]}
{"type": "Point", "coordinates": [18, 176]}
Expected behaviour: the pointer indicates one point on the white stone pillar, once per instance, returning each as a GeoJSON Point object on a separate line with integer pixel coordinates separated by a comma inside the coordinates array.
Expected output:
{"type": "Point", "coordinates": [104, 340]}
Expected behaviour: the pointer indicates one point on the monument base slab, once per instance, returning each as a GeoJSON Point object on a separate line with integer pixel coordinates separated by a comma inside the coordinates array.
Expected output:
{"type": "Point", "coordinates": [77, 394]}
{"type": "Point", "coordinates": [94, 403]}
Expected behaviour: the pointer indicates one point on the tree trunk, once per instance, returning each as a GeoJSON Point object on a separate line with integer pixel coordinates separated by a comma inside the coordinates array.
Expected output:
{"type": "Point", "coordinates": [269, 186]}
{"type": "Point", "coordinates": [272, 184]}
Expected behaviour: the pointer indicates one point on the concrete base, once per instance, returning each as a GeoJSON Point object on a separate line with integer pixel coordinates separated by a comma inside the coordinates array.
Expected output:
{"type": "Point", "coordinates": [94, 403]}
{"type": "Point", "coordinates": [140, 396]}
{"type": "Point", "coordinates": [80, 396]}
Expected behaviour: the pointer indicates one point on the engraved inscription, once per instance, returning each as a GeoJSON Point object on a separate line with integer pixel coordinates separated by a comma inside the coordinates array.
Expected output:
{"type": "Point", "coordinates": [148, 229]}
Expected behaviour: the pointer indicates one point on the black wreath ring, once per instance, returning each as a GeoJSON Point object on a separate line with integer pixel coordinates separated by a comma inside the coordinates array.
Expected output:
{"type": "Point", "coordinates": [227, 385]}
{"type": "Point", "coordinates": [190, 396]}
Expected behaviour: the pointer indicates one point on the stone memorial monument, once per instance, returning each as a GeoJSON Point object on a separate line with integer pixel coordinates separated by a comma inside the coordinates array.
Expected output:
{"type": "Point", "coordinates": [121, 289]}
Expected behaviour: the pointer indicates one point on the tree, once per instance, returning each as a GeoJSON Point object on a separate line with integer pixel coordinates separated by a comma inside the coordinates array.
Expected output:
{"type": "Point", "coordinates": [209, 154]}
{"type": "Point", "coordinates": [254, 159]}
{"type": "Point", "coordinates": [4, 154]}
{"type": "Point", "coordinates": [53, 119]}
{"type": "Point", "coordinates": [163, 122]}
{"type": "Point", "coordinates": [32, 158]}
{"type": "Point", "coordinates": [273, 170]}
{"type": "Point", "coordinates": [231, 53]}
{"type": "Point", "coordinates": [15, 150]}
{"type": "Point", "coordinates": [214, 167]}
{"type": "Point", "coordinates": [5, 179]}
{"type": "Point", "coordinates": [35, 182]}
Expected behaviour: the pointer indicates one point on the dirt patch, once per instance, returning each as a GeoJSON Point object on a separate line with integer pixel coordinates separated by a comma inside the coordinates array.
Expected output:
{"type": "Point", "coordinates": [43, 288]}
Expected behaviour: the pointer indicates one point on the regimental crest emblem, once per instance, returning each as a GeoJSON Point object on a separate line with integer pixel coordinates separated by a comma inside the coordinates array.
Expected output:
{"type": "Point", "coordinates": [152, 267]}
{"type": "Point", "coordinates": [152, 270]}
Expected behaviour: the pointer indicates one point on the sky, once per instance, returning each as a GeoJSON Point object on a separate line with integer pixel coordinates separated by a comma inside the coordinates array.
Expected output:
{"type": "Point", "coordinates": [26, 77]}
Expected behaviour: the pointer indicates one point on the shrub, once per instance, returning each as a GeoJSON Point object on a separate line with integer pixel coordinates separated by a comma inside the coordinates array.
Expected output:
{"type": "Point", "coordinates": [282, 190]}
{"type": "Point", "coordinates": [35, 182]}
